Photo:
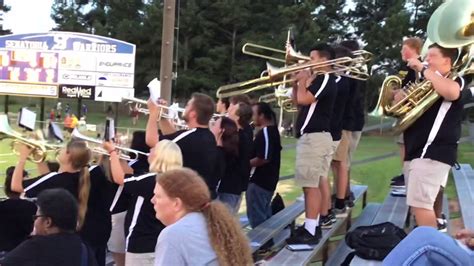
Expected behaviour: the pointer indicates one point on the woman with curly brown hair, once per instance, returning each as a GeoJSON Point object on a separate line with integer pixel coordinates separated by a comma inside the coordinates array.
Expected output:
{"type": "Point", "coordinates": [198, 231]}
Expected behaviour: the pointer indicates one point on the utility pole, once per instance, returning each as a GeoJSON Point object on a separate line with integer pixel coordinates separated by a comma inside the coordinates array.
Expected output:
{"type": "Point", "coordinates": [167, 42]}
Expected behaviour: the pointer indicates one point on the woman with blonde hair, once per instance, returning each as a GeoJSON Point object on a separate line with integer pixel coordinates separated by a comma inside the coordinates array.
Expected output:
{"type": "Point", "coordinates": [198, 231]}
{"type": "Point", "coordinates": [143, 229]}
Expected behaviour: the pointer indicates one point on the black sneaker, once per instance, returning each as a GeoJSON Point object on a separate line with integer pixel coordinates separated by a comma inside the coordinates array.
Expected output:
{"type": "Point", "coordinates": [349, 201]}
{"type": "Point", "coordinates": [302, 236]}
{"type": "Point", "coordinates": [332, 216]}
{"type": "Point", "coordinates": [325, 222]}
{"type": "Point", "coordinates": [398, 181]}
{"type": "Point", "coordinates": [399, 177]}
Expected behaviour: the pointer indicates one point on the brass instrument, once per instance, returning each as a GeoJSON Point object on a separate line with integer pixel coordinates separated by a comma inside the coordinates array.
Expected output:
{"type": "Point", "coordinates": [96, 146]}
{"type": "Point", "coordinates": [39, 148]}
{"type": "Point", "coordinates": [174, 110]}
{"type": "Point", "coordinates": [290, 55]}
{"type": "Point", "coordinates": [344, 66]}
{"type": "Point", "coordinates": [420, 96]}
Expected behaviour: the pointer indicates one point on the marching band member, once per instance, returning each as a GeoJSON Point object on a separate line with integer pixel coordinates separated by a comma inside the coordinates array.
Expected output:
{"type": "Point", "coordinates": [315, 93]}
{"type": "Point", "coordinates": [230, 186]}
{"type": "Point", "coordinates": [411, 48]}
{"type": "Point", "coordinates": [121, 202]}
{"type": "Point", "coordinates": [353, 122]}
{"type": "Point", "coordinates": [143, 229]}
{"type": "Point", "coordinates": [198, 231]}
{"type": "Point", "coordinates": [265, 165]}
{"type": "Point", "coordinates": [197, 144]}
{"type": "Point", "coordinates": [55, 241]}
{"type": "Point", "coordinates": [73, 175]}
{"type": "Point", "coordinates": [242, 113]}
{"type": "Point", "coordinates": [342, 98]}
{"type": "Point", "coordinates": [431, 141]}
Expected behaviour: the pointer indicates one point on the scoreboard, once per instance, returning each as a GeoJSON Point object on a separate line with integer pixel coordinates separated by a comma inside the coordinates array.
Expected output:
{"type": "Point", "coordinates": [66, 65]}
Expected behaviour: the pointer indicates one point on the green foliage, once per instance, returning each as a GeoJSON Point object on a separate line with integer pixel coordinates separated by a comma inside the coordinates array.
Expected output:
{"type": "Point", "coordinates": [212, 33]}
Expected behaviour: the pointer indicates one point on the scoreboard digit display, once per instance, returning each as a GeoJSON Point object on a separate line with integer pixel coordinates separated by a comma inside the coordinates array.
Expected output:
{"type": "Point", "coordinates": [64, 64]}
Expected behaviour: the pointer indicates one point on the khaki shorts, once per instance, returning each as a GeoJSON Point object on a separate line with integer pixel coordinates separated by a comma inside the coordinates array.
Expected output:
{"type": "Point", "coordinates": [342, 151]}
{"type": "Point", "coordinates": [355, 138]}
{"type": "Point", "coordinates": [313, 158]}
{"type": "Point", "coordinates": [425, 177]}
{"type": "Point", "coordinates": [116, 241]}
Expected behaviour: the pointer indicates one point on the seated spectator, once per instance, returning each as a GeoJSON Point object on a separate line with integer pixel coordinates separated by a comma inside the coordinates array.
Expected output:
{"type": "Point", "coordinates": [55, 241]}
{"type": "Point", "coordinates": [15, 222]}
{"type": "Point", "coordinates": [183, 203]}
{"type": "Point", "coordinates": [427, 246]}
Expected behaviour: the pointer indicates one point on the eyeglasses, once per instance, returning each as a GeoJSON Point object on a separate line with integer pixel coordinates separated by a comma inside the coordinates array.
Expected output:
{"type": "Point", "coordinates": [37, 216]}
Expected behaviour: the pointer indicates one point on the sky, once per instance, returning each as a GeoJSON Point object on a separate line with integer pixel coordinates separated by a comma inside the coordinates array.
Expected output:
{"type": "Point", "coordinates": [28, 16]}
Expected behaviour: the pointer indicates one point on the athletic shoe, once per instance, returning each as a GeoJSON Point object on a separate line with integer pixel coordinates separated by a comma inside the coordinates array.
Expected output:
{"type": "Point", "coordinates": [398, 192]}
{"type": "Point", "coordinates": [302, 236]}
{"type": "Point", "coordinates": [332, 216]}
{"type": "Point", "coordinates": [340, 213]}
{"type": "Point", "coordinates": [398, 181]}
{"type": "Point", "coordinates": [325, 222]}
{"type": "Point", "coordinates": [442, 223]}
{"type": "Point", "coordinates": [399, 177]}
{"type": "Point", "coordinates": [349, 201]}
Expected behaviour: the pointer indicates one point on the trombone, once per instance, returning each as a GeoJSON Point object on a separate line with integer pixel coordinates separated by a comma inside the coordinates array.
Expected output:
{"type": "Point", "coordinates": [99, 150]}
{"type": "Point", "coordinates": [290, 55]}
{"type": "Point", "coordinates": [344, 66]}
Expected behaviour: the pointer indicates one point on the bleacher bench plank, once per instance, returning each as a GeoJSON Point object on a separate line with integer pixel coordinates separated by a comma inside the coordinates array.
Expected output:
{"type": "Point", "coordinates": [288, 257]}
{"type": "Point", "coordinates": [342, 250]}
{"type": "Point", "coordinates": [464, 180]}
{"type": "Point", "coordinates": [394, 210]}
{"type": "Point", "coordinates": [265, 231]}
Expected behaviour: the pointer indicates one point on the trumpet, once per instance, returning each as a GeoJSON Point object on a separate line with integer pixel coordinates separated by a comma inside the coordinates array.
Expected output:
{"type": "Point", "coordinates": [172, 110]}
{"type": "Point", "coordinates": [97, 148]}
{"type": "Point", "coordinates": [39, 148]}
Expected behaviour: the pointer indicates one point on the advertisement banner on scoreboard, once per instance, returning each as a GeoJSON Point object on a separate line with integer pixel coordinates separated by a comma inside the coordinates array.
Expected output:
{"type": "Point", "coordinates": [49, 60]}
{"type": "Point", "coordinates": [76, 91]}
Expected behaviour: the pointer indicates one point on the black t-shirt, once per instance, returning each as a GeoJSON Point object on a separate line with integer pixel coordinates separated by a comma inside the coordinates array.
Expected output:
{"type": "Point", "coordinates": [268, 147]}
{"type": "Point", "coordinates": [436, 133]}
{"type": "Point", "coordinates": [342, 99]}
{"type": "Point", "coordinates": [119, 201]}
{"type": "Point", "coordinates": [68, 181]}
{"type": "Point", "coordinates": [97, 223]}
{"type": "Point", "coordinates": [63, 249]}
{"type": "Point", "coordinates": [316, 117]}
{"type": "Point", "coordinates": [228, 172]}
{"type": "Point", "coordinates": [354, 115]}
{"type": "Point", "coordinates": [141, 226]}
{"type": "Point", "coordinates": [16, 222]}
{"type": "Point", "coordinates": [199, 150]}
{"type": "Point", "coordinates": [245, 154]}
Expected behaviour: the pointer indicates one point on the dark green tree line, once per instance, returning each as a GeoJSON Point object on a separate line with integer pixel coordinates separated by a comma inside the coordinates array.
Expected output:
{"type": "Point", "coordinates": [212, 33]}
